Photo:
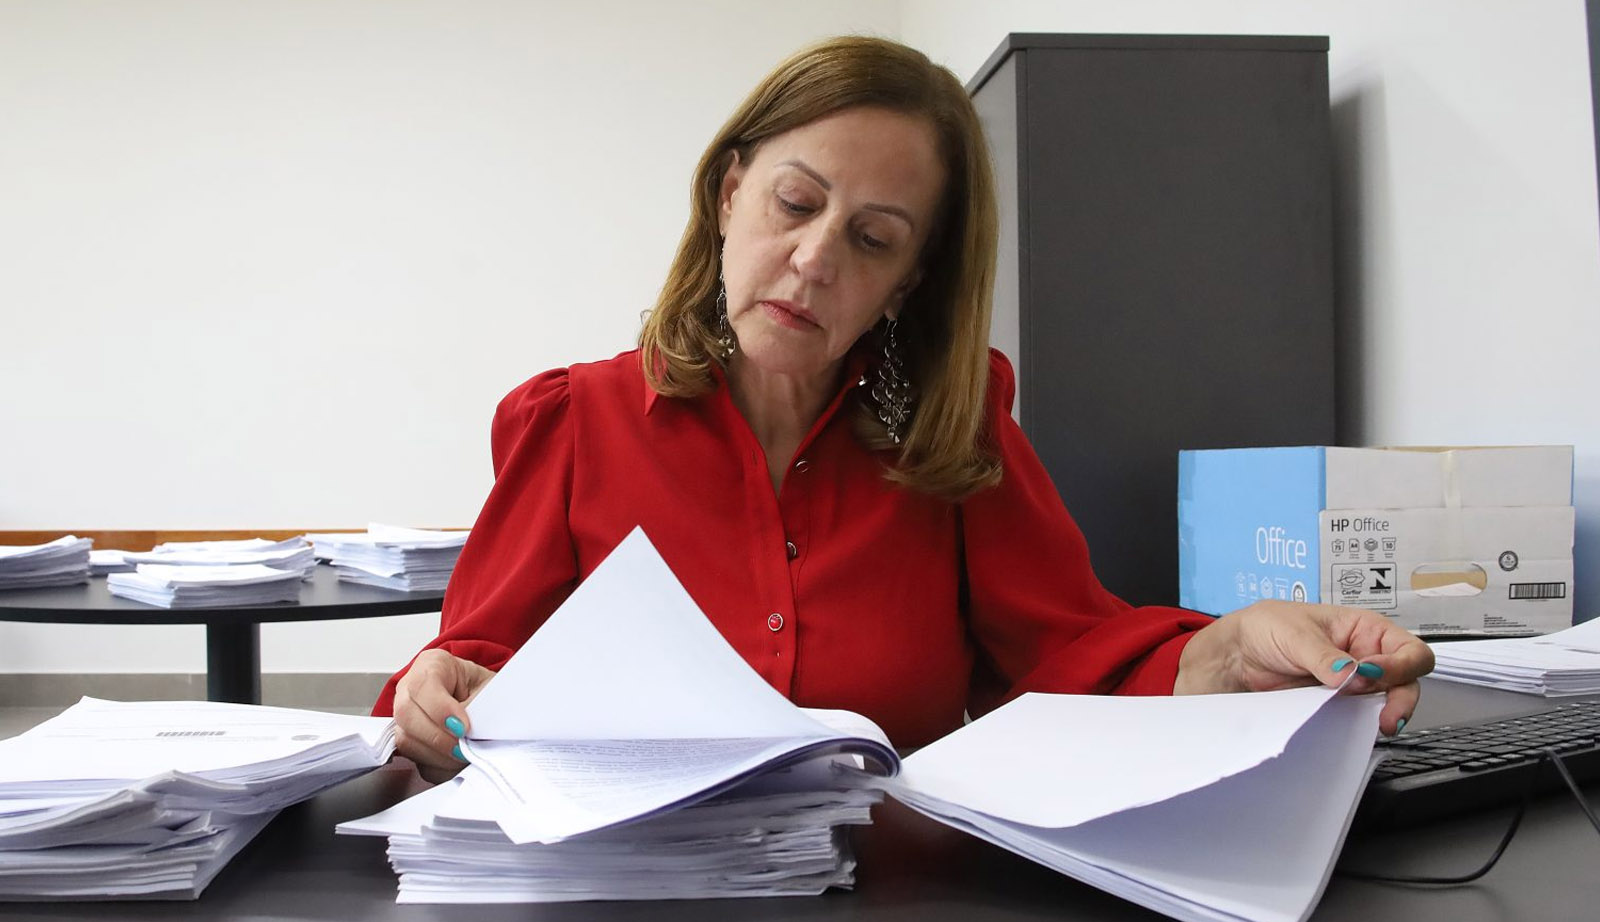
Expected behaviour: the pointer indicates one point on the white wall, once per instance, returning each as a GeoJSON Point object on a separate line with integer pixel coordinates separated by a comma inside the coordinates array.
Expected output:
{"type": "Point", "coordinates": [271, 264]}
{"type": "Point", "coordinates": [1469, 236]}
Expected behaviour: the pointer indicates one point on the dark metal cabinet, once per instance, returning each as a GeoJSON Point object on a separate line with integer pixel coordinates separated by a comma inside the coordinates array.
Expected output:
{"type": "Point", "coordinates": [1165, 277]}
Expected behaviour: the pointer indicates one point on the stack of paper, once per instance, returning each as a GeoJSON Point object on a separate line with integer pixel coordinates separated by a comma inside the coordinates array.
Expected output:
{"type": "Point", "coordinates": [1120, 792]}
{"type": "Point", "coordinates": [206, 586]}
{"type": "Point", "coordinates": [151, 799]}
{"type": "Point", "coordinates": [666, 768]}
{"type": "Point", "coordinates": [232, 544]}
{"type": "Point", "coordinates": [108, 561]}
{"type": "Point", "coordinates": [295, 554]}
{"type": "Point", "coordinates": [391, 557]}
{"type": "Point", "coordinates": [62, 562]}
{"type": "Point", "coordinates": [1564, 663]}
{"type": "Point", "coordinates": [779, 834]}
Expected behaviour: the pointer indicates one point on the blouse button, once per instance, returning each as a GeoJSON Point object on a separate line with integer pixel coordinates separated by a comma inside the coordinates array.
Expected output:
{"type": "Point", "coordinates": [801, 466]}
{"type": "Point", "coordinates": [774, 622]}
{"type": "Point", "coordinates": [791, 550]}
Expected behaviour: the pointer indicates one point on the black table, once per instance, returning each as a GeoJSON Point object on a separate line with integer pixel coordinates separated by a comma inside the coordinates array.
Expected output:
{"type": "Point", "coordinates": [233, 634]}
{"type": "Point", "coordinates": [911, 869]}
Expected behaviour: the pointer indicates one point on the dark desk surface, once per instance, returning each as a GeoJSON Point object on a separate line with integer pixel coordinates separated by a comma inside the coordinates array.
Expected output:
{"type": "Point", "coordinates": [911, 869]}
{"type": "Point", "coordinates": [233, 633]}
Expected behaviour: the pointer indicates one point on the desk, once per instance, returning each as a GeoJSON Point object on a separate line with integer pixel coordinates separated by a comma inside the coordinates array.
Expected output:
{"type": "Point", "coordinates": [911, 869]}
{"type": "Point", "coordinates": [233, 634]}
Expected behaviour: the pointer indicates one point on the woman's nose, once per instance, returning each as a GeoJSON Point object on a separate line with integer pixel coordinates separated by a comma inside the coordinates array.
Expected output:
{"type": "Point", "coordinates": [815, 256]}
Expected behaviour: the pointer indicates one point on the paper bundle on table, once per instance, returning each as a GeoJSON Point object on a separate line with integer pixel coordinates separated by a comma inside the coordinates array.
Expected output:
{"type": "Point", "coordinates": [666, 769]}
{"type": "Point", "coordinates": [62, 562]}
{"type": "Point", "coordinates": [293, 554]}
{"type": "Point", "coordinates": [206, 574]}
{"type": "Point", "coordinates": [206, 586]}
{"type": "Point", "coordinates": [1564, 663]}
{"type": "Point", "coordinates": [109, 560]}
{"type": "Point", "coordinates": [392, 557]}
{"type": "Point", "coordinates": [780, 834]}
{"type": "Point", "coordinates": [149, 800]}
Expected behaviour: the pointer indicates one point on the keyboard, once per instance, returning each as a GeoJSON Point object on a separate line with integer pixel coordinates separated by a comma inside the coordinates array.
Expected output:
{"type": "Point", "coordinates": [1468, 767]}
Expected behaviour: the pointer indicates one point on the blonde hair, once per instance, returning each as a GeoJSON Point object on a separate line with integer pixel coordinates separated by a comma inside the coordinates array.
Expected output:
{"type": "Point", "coordinates": [944, 324]}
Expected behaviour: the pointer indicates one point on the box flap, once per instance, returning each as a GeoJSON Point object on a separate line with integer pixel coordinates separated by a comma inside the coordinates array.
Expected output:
{"type": "Point", "coordinates": [1523, 476]}
{"type": "Point", "coordinates": [1442, 477]}
{"type": "Point", "coordinates": [1378, 478]}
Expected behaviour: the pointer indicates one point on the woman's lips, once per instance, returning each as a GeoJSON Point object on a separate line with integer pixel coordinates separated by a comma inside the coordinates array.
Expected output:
{"type": "Point", "coordinates": [790, 315]}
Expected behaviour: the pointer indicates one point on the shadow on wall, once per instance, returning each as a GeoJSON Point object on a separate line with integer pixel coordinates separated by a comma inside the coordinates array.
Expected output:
{"type": "Point", "coordinates": [1586, 543]}
{"type": "Point", "coordinates": [1356, 110]}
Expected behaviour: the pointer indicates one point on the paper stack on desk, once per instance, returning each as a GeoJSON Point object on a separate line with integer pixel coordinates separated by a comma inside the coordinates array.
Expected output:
{"type": "Point", "coordinates": [779, 834]}
{"type": "Point", "coordinates": [110, 560]}
{"type": "Point", "coordinates": [1564, 663]}
{"type": "Point", "coordinates": [149, 800]}
{"type": "Point", "coordinates": [392, 557]}
{"type": "Point", "coordinates": [171, 586]}
{"type": "Point", "coordinates": [1205, 807]}
{"type": "Point", "coordinates": [294, 554]}
{"type": "Point", "coordinates": [206, 574]}
{"type": "Point", "coordinates": [581, 757]}
{"type": "Point", "coordinates": [665, 769]}
{"type": "Point", "coordinates": [62, 562]}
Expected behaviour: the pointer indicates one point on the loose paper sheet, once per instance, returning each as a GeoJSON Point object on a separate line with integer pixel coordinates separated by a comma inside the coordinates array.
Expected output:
{"type": "Point", "coordinates": [629, 655]}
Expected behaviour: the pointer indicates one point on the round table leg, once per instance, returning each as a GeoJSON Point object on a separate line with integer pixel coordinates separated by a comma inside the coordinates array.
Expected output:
{"type": "Point", "coordinates": [233, 662]}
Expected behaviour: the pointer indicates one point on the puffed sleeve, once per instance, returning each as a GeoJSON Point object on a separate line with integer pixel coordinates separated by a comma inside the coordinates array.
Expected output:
{"type": "Point", "coordinates": [518, 564]}
{"type": "Point", "coordinates": [1040, 617]}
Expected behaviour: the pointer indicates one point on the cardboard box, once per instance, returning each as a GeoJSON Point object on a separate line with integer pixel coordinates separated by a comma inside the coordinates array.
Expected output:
{"type": "Point", "coordinates": [1445, 541]}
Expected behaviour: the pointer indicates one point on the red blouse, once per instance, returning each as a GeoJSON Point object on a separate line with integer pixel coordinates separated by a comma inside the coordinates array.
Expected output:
{"type": "Point", "coordinates": [842, 590]}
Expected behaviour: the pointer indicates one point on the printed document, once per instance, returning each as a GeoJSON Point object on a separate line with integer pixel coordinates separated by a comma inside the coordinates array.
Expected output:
{"type": "Point", "coordinates": [671, 716]}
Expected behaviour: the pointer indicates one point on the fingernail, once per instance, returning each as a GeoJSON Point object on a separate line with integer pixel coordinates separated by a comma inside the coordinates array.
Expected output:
{"type": "Point", "coordinates": [453, 724]}
{"type": "Point", "coordinates": [456, 751]}
{"type": "Point", "coordinates": [1370, 670]}
{"type": "Point", "coordinates": [1400, 726]}
{"type": "Point", "coordinates": [1341, 662]}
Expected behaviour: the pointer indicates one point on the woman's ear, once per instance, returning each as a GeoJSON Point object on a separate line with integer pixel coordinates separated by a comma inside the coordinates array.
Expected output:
{"type": "Point", "coordinates": [731, 178]}
{"type": "Point", "coordinates": [897, 298]}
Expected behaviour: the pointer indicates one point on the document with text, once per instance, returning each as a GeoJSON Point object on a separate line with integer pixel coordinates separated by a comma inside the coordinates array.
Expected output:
{"type": "Point", "coordinates": [671, 715]}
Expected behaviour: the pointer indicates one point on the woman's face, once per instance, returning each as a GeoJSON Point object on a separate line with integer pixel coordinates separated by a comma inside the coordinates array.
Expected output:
{"type": "Point", "coordinates": [822, 228]}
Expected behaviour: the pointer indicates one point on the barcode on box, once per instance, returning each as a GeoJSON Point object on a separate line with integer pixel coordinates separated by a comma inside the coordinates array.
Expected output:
{"type": "Point", "coordinates": [190, 732]}
{"type": "Point", "coordinates": [1537, 591]}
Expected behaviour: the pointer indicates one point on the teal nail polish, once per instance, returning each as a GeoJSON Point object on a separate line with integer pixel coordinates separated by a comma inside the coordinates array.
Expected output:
{"type": "Point", "coordinates": [453, 724]}
{"type": "Point", "coordinates": [1400, 727]}
{"type": "Point", "coordinates": [1341, 662]}
{"type": "Point", "coordinates": [456, 751]}
{"type": "Point", "coordinates": [1370, 670]}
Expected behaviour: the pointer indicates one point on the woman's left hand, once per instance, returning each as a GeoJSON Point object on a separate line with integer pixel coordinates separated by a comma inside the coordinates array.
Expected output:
{"type": "Point", "coordinates": [1275, 644]}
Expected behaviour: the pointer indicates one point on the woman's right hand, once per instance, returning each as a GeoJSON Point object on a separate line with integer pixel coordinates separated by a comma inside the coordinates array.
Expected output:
{"type": "Point", "coordinates": [430, 711]}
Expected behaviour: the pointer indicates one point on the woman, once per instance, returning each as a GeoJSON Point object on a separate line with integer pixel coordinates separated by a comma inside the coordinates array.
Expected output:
{"type": "Point", "coordinates": [817, 437]}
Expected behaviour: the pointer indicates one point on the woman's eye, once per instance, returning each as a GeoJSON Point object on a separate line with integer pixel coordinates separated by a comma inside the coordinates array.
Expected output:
{"type": "Point", "coordinates": [872, 243]}
{"type": "Point", "coordinates": [794, 208]}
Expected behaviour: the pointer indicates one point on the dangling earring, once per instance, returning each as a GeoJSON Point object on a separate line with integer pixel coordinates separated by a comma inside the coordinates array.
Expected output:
{"type": "Point", "coordinates": [726, 344]}
{"type": "Point", "coordinates": [892, 392]}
